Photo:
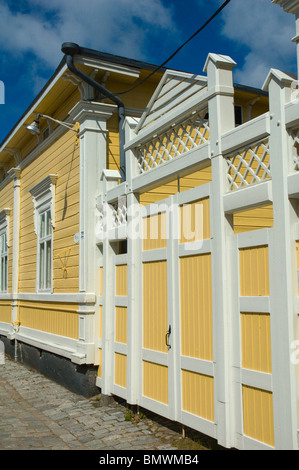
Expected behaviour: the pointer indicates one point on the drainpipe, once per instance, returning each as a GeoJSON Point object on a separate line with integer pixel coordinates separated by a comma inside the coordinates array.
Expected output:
{"type": "Point", "coordinates": [70, 49]}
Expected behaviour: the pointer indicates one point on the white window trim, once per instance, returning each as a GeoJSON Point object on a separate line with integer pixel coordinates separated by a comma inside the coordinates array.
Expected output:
{"type": "Point", "coordinates": [4, 229]}
{"type": "Point", "coordinates": [43, 200]}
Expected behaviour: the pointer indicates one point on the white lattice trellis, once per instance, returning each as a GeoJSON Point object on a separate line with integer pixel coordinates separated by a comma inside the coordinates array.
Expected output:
{"type": "Point", "coordinates": [295, 136]}
{"type": "Point", "coordinates": [248, 166]}
{"type": "Point", "coordinates": [119, 213]}
{"type": "Point", "coordinates": [181, 138]}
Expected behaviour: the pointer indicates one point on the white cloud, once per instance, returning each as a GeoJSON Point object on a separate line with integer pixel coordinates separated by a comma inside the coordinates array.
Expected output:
{"type": "Point", "coordinates": [118, 26]}
{"type": "Point", "coordinates": [266, 31]}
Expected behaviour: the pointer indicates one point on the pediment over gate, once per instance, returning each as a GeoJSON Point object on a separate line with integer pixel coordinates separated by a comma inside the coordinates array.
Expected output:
{"type": "Point", "coordinates": [174, 89]}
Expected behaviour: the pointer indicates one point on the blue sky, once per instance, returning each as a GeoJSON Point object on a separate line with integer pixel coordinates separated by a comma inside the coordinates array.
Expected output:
{"type": "Point", "coordinates": [255, 33]}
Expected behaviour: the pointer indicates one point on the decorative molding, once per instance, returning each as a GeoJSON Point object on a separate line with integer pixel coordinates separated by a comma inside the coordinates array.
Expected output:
{"type": "Point", "coordinates": [43, 194]}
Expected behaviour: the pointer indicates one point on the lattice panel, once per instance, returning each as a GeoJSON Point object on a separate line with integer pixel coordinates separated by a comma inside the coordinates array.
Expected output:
{"type": "Point", "coordinates": [295, 135]}
{"type": "Point", "coordinates": [178, 140]}
{"type": "Point", "coordinates": [248, 166]}
{"type": "Point", "coordinates": [119, 213]}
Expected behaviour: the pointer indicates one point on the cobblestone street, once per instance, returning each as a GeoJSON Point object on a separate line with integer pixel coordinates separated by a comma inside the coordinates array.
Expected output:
{"type": "Point", "coordinates": [38, 414]}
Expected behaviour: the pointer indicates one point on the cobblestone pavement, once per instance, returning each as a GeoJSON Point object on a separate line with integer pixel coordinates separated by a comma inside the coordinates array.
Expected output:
{"type": "Point", "coordinates": [38, 414]}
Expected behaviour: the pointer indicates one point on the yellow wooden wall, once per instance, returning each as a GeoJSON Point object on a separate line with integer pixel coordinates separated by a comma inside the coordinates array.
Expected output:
{"type": "Point", "coordinates": [61, 159]}
{"type": "Point", "coordinates": [5, 311]}
{"type": "Point", "coordinates": [178, 184]}
{"type": "Point", "coordinates": [253, 219]}
{"type": "Point", "coordinates": [51, 317]}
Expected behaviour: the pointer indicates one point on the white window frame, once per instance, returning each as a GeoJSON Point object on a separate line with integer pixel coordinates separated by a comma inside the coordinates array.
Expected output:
{"type": "Point", "coordinates": [44, 279]}
{"type": "Point", "coordinates": [44, 202]}
{"type": "Point", "coordinates": [4, 233]}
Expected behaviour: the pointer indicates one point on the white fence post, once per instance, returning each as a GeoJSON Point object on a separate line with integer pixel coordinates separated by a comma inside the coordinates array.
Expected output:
{"type": "Point", "coordinates": [221, 119]}
{"type": "Point", "coordinates": [110, 179]}
{"type": "Point", "coordinates": [133, 274]}
{"type": "Point", "coordinates": [282, 269]}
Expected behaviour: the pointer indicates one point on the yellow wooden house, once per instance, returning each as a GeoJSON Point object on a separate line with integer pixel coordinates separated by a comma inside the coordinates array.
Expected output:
{"type": "Point", "coordinates": [148, 241]}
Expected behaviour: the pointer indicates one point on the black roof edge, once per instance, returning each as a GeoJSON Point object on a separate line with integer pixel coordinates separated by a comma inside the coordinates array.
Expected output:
{"type": "Point", "coordinates": [250, 89]}
{"type": "Point", "coordinates": [120, 60]}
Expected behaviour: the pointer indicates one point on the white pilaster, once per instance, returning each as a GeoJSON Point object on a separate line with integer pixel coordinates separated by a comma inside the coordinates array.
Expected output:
{"type": "Point", "coordinates": [92, 118]}
{"type": "Point", "coordinates": [221, 119]}
{"type": "Point", "coordinates": [283, 270]}
{"type": "Point", "coordinates": [15, 173]}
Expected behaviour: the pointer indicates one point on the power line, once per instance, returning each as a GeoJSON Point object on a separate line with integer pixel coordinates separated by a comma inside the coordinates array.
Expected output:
{"type": "Point", "coordinates": [179, 48]}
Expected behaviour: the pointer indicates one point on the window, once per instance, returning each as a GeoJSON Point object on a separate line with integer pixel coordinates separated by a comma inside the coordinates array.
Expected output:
{"type": "Point", "coordinates": [238, 115]}
{"type": "Point", "coordinates": [44, 222]}
{"type": "Point", "coordinates": [4, 230]}
{"type": "Point", "coordinates": [45, 248]}
{"type": "Point", "coordinates": [3, 262]}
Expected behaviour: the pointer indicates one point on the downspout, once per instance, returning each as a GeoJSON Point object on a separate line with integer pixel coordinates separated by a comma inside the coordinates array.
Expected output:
{"type": "Point", "coordinates": [70, 49]}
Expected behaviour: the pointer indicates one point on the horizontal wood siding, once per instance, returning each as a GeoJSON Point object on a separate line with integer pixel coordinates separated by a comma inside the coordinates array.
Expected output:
{"type": "Point", "coordinates": [253, 219]}
{"type": "Point", "coordinates": [51, 317]}
{"type": "Point", "coordinates": [62, 159]}
{"type": "Point", "coordinates": [5, 311]}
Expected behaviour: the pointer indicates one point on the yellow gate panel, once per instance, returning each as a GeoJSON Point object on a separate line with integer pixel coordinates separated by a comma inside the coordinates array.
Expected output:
{"type": "Point", "coordinates": [5, 312]}
{"type": "Point", "coordinates": [101, 280]}
{"type": "Point", "coordinates": [258, 414]}
{"type": "Point", "coordinates": [121, 280]}
{"type": "Point", "coordinates": [120, 370]}
{"type": "Point", "coordinates": [253, 219]}
{"type": "Point", "coordinates": [121, 325]}
{"type": "Point", "coordinates": [198, 394]}
{"type": "Point", "coordinates": [154, 231]}
{"type": "Point", "coordinates": [254, 271]}
{"type": "Point", "coordinates": [100, 364]}
{"type": "Point", "coordinates": [256, 341]}
{"type": "Point", "coordinates": [297, 248]}
{"type": "Point", "coordinates": [196, 306]}
{"type": "Point", "coordinates": [101, 322]}
{"type": "Point", "coordinates": [155, 305]}
{"type": "Point", "coordinates": [195, 221]}
{"type": "Point", "coordinates": [155, 381]}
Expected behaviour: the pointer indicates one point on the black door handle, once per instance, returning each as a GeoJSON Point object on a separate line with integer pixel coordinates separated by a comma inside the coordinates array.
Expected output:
{"type": "Point", "coordinates": [167, 337]}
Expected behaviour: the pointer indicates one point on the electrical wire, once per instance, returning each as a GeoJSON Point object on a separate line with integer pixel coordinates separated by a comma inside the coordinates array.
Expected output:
{"type": "Point", "coordinates": [177, 50]}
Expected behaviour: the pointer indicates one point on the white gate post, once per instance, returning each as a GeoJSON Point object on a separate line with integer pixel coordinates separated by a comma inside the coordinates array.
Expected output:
{"type": "Point", "coordinates": [282, 268]}
{"type": "Point", "coordinates": [110, 179]}
{"type": "Point", "coordinates": [133, 276]}
{"type": "Point", "coordinates": [221, 119]}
